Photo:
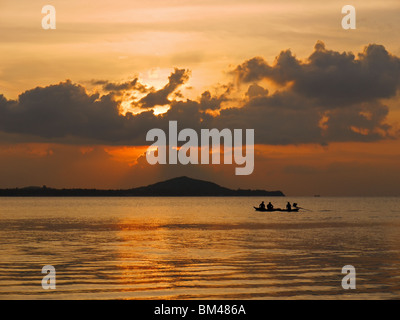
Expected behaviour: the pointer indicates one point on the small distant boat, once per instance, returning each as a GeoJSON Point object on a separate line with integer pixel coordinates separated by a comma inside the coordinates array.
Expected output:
{"type": "Point", "coordinates": [276, 209]}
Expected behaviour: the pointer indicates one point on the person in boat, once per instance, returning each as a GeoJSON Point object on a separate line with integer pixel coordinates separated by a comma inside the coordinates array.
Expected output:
{"type": "Point", "coordinates": [295, 205]}
{"type": "Point", "coordinates": [262, 205]}
{"type": "Point", "coordinates": [270, 207]}
{"type": "Point", "coordinates": [289, 207]}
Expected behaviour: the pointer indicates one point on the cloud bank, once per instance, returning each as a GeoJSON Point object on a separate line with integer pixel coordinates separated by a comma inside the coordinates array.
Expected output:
{"type": "Point", "coordinates": [328, 97]}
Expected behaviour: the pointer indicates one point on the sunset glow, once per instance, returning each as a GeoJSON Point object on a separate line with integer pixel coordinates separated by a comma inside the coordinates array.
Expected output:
{"type": "Point", "coordinates": [323, 101]}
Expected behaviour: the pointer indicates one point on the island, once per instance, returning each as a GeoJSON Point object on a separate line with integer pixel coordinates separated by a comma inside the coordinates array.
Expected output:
{"type": "Point", "coordinates": [176, 187]}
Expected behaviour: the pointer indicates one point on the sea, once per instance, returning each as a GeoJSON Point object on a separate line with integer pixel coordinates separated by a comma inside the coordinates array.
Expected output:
{"type": "Point", "coordinates": [200, 248]}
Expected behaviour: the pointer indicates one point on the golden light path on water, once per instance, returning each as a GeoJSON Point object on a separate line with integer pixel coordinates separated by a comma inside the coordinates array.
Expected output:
{"type": "Point", "coordinates": [198, 248]}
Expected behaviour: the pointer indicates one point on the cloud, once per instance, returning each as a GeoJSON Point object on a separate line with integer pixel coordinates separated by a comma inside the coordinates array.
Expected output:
{"type": "Point", "coordinates": [160, 97]}
{"type": "Point", "coordinates": [67, 113]}
{"type": "Point", "coordinates": [328, 97]}
{"type": "Point", "coordinates": [122, 86]}
{"type": "Point", "coordinates": [255, 90]}
{"type": "Point", "coordinates": [334, 79]}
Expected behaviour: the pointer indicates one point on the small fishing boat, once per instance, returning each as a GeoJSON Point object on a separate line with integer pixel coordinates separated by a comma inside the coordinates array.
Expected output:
{"type": "Point", "coordinates": [276, 209]}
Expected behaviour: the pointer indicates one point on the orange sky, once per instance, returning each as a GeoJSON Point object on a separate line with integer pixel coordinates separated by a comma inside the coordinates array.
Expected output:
{"type": "Point", "coordinates": [121, 40]}
{"type": "Point", "coordinates": [339, 169]}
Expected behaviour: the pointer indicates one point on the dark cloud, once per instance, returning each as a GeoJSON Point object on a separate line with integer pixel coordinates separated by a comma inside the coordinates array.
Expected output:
{"type": "Point", "coordinates": [335, 79]}
{"type": "Point", "coordinates": [364, 122]}
{"type": "Point", "coordinates": [210, 102]}
{"type": "Point", "coordinates": [281, 118]}
{"type": "Point", "coordinates": [65, 111]}
{"type": "Point", "coordinates": [256, 91]}
{"type": "Point", "coordinates": [122, 86]}
{"type": "Point", "coordinates": [160, 97]}
{"type": "Point", "coordinates": [328, 97]}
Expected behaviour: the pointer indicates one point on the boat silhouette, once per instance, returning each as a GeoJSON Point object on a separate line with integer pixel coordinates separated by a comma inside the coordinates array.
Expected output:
{"type": "Point", "coordinates": [276, 209]}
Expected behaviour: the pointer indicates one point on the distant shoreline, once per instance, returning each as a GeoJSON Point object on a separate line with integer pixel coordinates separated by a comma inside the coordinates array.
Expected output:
{"type": "Point", "coordinates": [176, 187]}
{"type": "Point", "coordinates": [129, 196]}
{"type": "Point", "coordinates": [126, 193]}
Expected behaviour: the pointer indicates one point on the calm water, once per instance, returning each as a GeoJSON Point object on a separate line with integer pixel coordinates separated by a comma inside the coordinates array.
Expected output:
{"type": "Point", "coordinates": [198, 248]}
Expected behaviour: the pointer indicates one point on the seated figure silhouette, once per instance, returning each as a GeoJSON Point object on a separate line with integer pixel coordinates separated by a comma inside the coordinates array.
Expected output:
{"type": "Point", "coordinates": [270, 206]}
{"type": "Point", "coordinates": [262, 205]}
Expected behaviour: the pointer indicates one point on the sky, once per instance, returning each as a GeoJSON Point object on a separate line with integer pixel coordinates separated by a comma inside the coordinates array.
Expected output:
{"type": "Point", "coordinates": [76, 102]}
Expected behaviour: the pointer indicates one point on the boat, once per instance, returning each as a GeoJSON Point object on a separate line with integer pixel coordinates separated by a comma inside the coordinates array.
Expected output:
{"type": "Point", "coordinates": [276, 209]}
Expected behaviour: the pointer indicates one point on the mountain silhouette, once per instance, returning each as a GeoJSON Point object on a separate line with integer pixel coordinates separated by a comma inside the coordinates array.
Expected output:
{"type": "Point", "coordinates": [185, 186]}
{"type": "Point", "coordinates": [176, 187]}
